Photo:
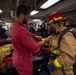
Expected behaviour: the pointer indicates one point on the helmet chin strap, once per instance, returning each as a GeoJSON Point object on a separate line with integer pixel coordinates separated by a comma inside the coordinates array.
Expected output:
{"type": "Point", "coordinates": [54, 29]}
{"type": "Point", "coordinates": [64, 24]}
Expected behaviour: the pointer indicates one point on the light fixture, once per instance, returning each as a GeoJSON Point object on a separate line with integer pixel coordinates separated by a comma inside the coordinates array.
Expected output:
{"type": "Point", "coordinates": [0, 11]}
{"type": "Point", "coordinates": [34, 12]}
{"type": "Point", "coordinates": [0, 21]}
{"type": "Point", "coordinates": [36, 19]}
{"type": "Point", "coordinates": [48, 4]}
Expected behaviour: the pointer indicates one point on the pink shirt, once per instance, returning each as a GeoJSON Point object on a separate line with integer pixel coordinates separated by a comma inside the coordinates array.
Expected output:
{"type": "Point", "coordinates": [24, 46]}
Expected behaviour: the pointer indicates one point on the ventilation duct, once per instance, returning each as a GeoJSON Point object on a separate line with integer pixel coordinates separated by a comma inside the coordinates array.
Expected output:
{"type": "Point", "coordinates": [13, 15]}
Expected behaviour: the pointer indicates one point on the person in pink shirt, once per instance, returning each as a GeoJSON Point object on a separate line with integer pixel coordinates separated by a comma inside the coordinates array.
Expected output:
{"type": "Point", "coordinates": [23, 42]}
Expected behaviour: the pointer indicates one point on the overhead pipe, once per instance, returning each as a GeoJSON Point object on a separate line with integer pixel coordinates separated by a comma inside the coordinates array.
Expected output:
{"type": "Point", "coordinates": [13, 12]}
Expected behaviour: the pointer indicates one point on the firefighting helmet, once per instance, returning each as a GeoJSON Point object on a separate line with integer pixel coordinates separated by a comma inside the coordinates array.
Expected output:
{"type": "Point", "coordinates": [54, 17]}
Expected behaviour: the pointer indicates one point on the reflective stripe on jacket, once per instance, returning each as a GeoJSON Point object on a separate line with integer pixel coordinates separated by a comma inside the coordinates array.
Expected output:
{"type": "Point", "coordinates": [56, 62]}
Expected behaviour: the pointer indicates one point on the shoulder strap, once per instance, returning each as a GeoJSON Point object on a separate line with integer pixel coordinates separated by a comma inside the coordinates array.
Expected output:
{"type": "Point", "coordinates": [61, 35]}
{"type": "Point", "coordinates": [73, 32]}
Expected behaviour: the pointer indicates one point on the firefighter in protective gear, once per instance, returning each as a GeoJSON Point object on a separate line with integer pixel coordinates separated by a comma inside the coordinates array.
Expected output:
{"type": "Point", "coordinates": [65, 54]}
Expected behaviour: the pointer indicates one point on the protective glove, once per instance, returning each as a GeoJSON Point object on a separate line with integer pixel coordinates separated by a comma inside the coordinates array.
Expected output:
{"type": "Point", "coordinates": [51, 67]}
{"type": "Point", "coordinates": [45, 40]}
{"type": "Point", "coordinates": [48, 38]}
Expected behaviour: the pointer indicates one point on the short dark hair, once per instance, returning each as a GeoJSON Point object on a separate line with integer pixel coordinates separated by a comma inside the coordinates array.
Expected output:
{"type": "Point", "coordinates": [22, 9]}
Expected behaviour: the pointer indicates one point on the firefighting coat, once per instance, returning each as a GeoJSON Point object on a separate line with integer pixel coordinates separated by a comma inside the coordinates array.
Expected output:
{"type": "Point", "coordinates": [24, 46]}
{"type": "Point", "coordinates": [66, 57]}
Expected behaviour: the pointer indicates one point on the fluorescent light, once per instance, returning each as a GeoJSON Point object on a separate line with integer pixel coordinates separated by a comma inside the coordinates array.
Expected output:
{"type": "Point", "coordinates": [0, 11]}
{"type": "Point", "coordinates": [48, 4]}
{"type": "Point", "coordinates": [34, 12]}
{"type": "Point", "coordinates": [36, 19]}
{"type": "Point", "coordinates": [0, 21]}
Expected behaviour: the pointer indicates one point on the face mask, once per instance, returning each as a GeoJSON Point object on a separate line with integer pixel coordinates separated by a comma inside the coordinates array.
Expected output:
{"type": "Point", "coordinates": [52, 31]}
